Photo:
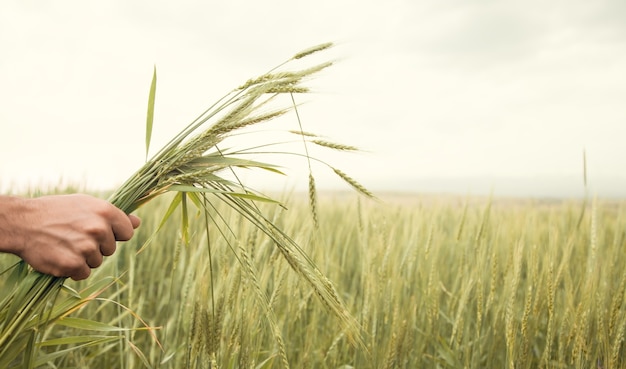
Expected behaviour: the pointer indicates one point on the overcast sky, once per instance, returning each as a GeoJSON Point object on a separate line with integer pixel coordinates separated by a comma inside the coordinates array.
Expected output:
{"type": "Point", "coordinates": [470, 90]}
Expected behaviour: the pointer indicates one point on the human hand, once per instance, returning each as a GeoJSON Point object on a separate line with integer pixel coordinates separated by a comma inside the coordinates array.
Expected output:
{"type": "Point", "coordinates": [68, 235]}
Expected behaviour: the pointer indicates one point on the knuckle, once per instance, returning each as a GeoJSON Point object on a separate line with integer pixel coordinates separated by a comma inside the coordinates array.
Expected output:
{"type": "Point", "coordinates": [85, 249]}
{"type": "Point", "coordinates": [97, 230]}
{"type": "Point", "coordinates": [56, 271]}
{"type": "Point", "coordinates": [69, 267]}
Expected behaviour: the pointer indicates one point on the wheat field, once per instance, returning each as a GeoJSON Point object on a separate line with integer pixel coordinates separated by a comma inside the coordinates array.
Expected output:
{"type": "Point", "coordinates": [434, 282]}
{"type": "Point", "coordinates": [222, 276]}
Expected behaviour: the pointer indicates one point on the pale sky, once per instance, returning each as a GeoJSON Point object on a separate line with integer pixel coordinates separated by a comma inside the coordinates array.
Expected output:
{"type": "Point", "coordinates": [483, 94]}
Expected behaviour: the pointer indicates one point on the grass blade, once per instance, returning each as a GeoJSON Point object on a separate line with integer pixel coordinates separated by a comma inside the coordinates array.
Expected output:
{"type": "Point", "coordinates": [150, 115]}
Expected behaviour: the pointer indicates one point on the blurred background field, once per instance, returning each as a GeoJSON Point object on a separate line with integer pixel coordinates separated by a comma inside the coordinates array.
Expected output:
{"type": "Point", "coordinates": [435, 281]}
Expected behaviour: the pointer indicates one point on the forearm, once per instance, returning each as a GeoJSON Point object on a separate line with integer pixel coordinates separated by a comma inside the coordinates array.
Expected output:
{"type": "Point", "coordinates": [12, 210]}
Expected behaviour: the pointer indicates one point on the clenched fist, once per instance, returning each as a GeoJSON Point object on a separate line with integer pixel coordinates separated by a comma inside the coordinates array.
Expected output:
{"type": "Point", "coordinates": [63, 235]}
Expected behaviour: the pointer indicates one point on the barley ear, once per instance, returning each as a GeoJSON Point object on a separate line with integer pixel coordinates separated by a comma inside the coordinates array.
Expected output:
{"type": "Point", "coordinates": [352, 182]}
{"type": "Point", "coordinates": [335, 146]}
{"type": "Point", "coordinates": [312, 50]}
{"type": "Point", "coordinates": [302, 133]}
{"type": "Point", "coordinates": [313, 200]}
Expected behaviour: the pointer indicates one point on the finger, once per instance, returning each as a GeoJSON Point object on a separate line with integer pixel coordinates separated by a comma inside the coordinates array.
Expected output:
{"type": "Point", "coordinates": [135, 220]}
{"type": "Point", "coordinates": [80, 273]}
{"type": "Point", "coordinates": [121, 224]}
{"type": "Point", "coordinates": [107, 244]}
{"type": "Point", "coordinates": [94, 260]}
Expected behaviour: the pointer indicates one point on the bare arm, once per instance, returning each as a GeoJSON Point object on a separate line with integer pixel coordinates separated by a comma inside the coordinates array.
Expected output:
{"type": "Point", "coordinates": [64, 235]}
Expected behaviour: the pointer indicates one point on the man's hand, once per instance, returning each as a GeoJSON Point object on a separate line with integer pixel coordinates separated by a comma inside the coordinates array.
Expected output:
{"type": "Point", "coordinates": [64, 235]}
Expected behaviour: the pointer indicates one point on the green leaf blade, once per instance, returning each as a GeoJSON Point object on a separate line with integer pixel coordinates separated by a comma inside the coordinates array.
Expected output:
{"type": "Point", "coordinates": [150, 114]}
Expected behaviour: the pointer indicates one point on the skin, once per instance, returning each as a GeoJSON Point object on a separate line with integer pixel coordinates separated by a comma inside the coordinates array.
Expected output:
{"type": "Point", "coordinates": [63, 235]}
